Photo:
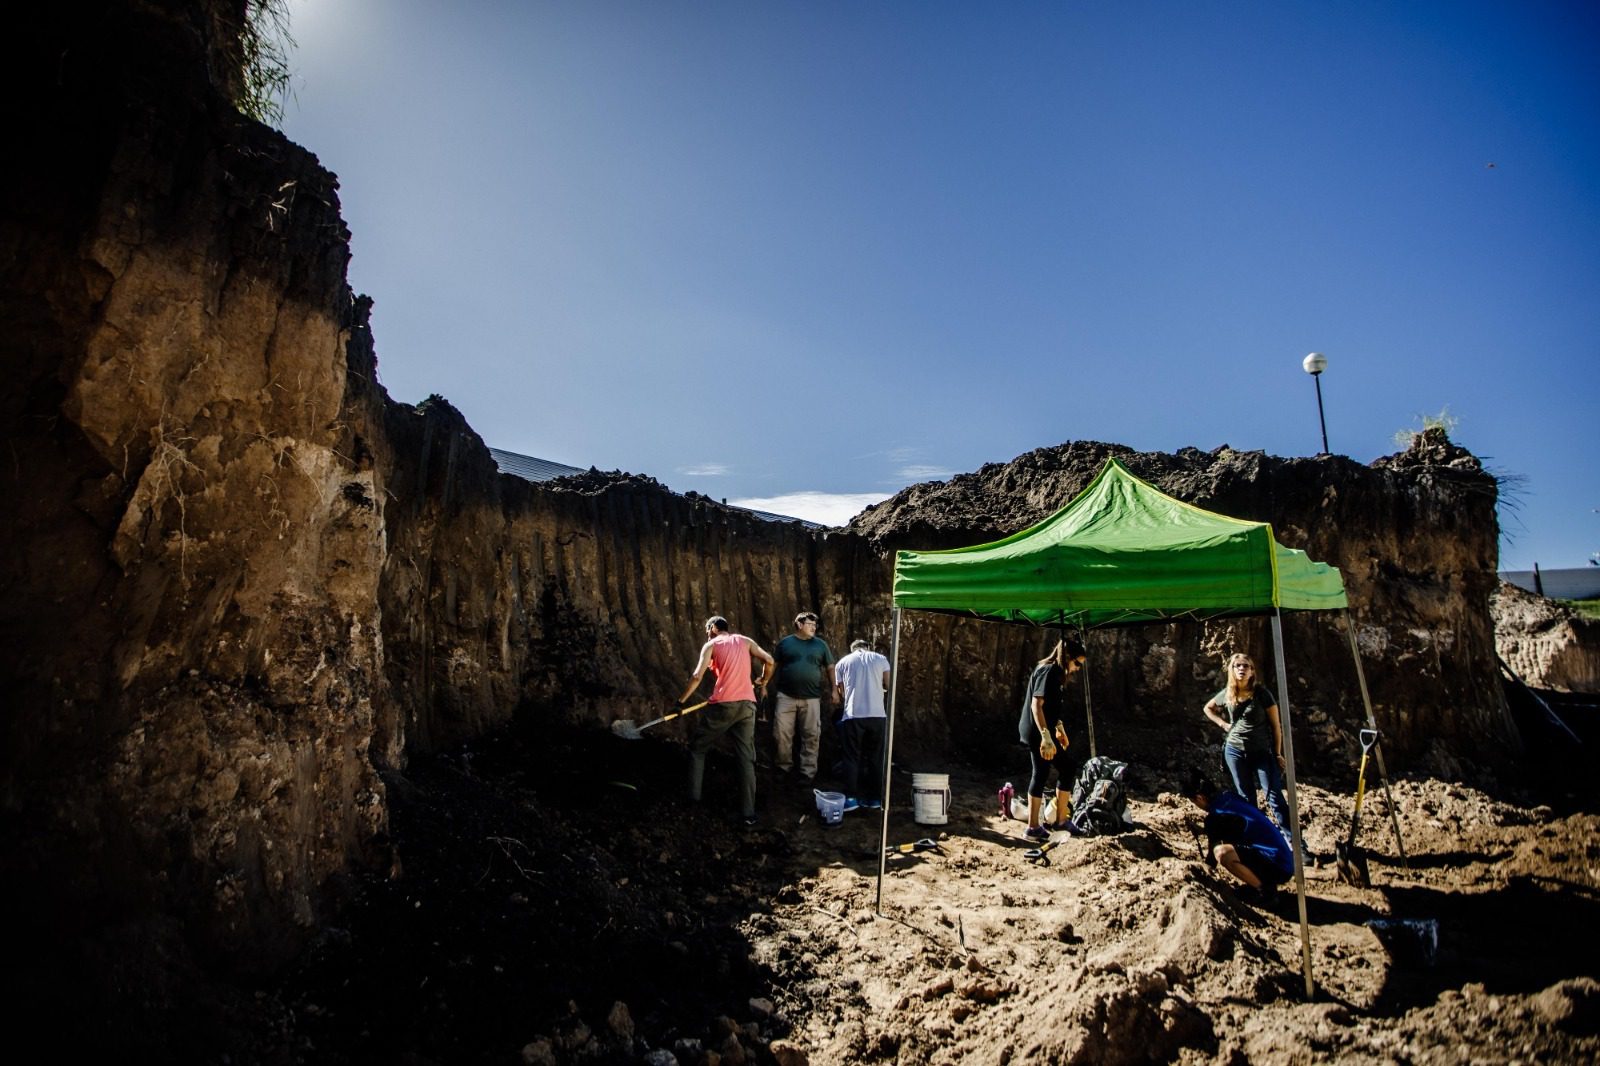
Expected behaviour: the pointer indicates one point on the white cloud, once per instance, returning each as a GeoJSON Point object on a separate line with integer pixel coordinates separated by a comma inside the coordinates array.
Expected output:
{"type": "Point", "coordinates": [827, 508]}
{"type": "Point", "coordinates": [705, 470]}
{"type": "Point", "coordinates": [916, 472]}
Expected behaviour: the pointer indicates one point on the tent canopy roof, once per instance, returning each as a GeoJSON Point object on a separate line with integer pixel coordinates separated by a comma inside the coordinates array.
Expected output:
{"type": "Point", "coordinates": [1121, 553]}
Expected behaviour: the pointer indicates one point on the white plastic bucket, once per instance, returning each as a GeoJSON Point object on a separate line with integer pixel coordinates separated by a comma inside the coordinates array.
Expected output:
{"type": "Point", "coordinates": [930, 798]}
{"type": "Point", "coordinates": [830, 805]}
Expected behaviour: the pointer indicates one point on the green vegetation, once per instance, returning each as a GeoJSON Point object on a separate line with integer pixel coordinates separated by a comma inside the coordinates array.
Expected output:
{"type": "Point", "coordinates": [1586, 608]}
{"type": "Point", "coordinates": [264, 46]}
{"type": "Point", "coordinates": [1444, 420]}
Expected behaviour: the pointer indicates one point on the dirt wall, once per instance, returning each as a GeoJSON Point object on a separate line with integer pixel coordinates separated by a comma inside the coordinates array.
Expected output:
{"type": "Point", "coordinates": [191, 608]}
{"type": "Point", "coordinates": [1546, 643]}
{"type": "Point", "coordinates": [1414, 536]}
{"type": "Point", "coordinates": [581, 599]}
{"type": "Point", "coordinates": [241, 581]}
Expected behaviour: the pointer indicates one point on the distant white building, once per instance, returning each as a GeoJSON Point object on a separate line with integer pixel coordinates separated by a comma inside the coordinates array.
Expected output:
{"type": "Point", "coordinates": [530, 469]}
{"type": "Point", "coordinates": [1581, 583]}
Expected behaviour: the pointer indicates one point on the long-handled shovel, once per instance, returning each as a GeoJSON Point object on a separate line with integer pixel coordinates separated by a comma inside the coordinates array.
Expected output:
{"type": "Point", "coordinates": [627, 730]}
{"type": "Point", "coordinates": [1350, 861]}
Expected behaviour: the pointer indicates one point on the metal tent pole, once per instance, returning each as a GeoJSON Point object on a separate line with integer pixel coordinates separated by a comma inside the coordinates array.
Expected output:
{"type": "Point", "coordinates": [1294, 796]}
{"type": "Point", "coordinates": [1372, 724]}
{"type": "Point", "coordinates": [888, 754]}
{"type": "Point", "coordinates": [1088, 704]}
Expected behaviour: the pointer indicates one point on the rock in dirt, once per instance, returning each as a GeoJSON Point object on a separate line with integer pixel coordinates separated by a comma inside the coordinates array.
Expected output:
{"type": "Point", "coordinates": [1572, 1005]}
{"type": "Point", "coordinates": [539, 1053]}
{"type": "Point", "coordinates": [620, 1022]}
{"type": "Point", "coordinates": [732, 1051]}
{"type": "Point", "coordinates": [788, 1053]}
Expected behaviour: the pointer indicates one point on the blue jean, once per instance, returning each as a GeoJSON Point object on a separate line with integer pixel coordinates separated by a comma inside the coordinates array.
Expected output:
{"type": "Point", "coordinates": [1250, 768]}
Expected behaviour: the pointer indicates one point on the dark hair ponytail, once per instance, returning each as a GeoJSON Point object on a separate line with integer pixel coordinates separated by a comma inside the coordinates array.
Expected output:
{"type": "Point", "coordinates": [1068, 649]}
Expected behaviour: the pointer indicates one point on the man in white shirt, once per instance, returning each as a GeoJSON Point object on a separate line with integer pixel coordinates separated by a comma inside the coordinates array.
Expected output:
{"type": "Point", "coordinates": [860, 680]}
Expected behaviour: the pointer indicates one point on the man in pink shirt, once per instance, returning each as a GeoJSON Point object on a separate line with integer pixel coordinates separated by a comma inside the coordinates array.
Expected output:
{"type": "Point", "coordinates": [732, 708]}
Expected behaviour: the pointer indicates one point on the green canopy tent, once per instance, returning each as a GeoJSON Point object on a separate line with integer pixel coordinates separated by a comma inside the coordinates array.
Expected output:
{"type": "Point", "coordinates": [1125, 553]}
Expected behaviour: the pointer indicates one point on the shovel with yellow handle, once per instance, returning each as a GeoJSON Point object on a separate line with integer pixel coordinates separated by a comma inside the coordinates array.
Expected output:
{"type": "Point", "coordinates": [1350, 861]}
{"type": "Point", "coordinates": [628, 730]}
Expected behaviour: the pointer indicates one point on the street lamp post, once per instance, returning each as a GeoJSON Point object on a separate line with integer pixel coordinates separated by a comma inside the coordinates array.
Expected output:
{"type": "Point", "coordinates": [1314, 364]}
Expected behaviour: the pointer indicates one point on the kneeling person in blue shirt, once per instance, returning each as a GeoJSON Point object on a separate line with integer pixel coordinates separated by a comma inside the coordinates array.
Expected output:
{"type": "Point", "coordinates": [1241, 838]}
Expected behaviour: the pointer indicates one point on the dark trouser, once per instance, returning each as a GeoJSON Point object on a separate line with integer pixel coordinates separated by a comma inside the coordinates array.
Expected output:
{"type": "Point", "coordinates": [1066, 768]}
{"type": "Point", "coordinates": [737, 718]}
{"type": "Point", "coordinates": [1265, 869]}
{"type": "Point", "coordinates": [863, 758]}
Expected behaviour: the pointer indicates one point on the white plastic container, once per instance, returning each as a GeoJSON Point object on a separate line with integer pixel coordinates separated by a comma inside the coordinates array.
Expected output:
{"type": "Point", "coordinates": [1047, 813]}
{"type": "Point", "coordinates": [830, 805]}
{"type": "Point", "coordinates": [930, 798]}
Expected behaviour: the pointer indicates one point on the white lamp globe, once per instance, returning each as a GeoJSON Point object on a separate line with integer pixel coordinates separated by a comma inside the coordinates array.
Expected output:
{"type": "Point", "coordinates": [1315, 363]}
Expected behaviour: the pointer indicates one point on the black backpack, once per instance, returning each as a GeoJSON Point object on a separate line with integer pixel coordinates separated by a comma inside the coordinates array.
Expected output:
{"type": "Point", "coordinates": [1099, 799]}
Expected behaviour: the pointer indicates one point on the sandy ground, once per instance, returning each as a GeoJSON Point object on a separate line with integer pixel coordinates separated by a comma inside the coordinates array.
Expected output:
{"type": "Point", "coordinates": [1129, 949]}
{"type": "Point", "coordinates": [556, 900]}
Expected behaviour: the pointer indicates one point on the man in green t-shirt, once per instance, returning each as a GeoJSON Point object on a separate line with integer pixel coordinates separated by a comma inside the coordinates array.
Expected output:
{"type": "Point", "coordinates": [805, 678]}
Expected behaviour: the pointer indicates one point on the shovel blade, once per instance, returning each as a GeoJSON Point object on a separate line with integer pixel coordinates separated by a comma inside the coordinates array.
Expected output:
{"type": "Point", "coordinates": [1350, 865]}
{"type": "Point", "coordinates": [633, 731]}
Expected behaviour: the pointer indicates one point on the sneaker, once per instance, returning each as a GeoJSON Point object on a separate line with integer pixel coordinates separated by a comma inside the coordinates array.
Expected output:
{"type": "Point", "coordinates": [1037, 833]}
{"type": "Point", "coordinates": [873, 805]}
{"type": "Point", "coordinates": [1262, 898]}
{"type": "Point", "coordinates": [851, 805]}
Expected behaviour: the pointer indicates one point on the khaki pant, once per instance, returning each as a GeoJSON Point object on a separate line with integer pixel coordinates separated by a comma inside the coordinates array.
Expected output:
{"type": "Point", "coordinates": [737, 718]}
{"type": "Point", "coordinates": [807, 713]}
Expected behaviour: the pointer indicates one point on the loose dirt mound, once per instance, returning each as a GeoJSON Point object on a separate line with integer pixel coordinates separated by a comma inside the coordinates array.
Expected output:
{"type": "Point", "coordinates": [593, 481]}
{"type": "Point", "coordinates": [558, 902]}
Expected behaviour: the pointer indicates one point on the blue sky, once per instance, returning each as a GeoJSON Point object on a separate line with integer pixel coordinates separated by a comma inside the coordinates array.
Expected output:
{"type": "Point", "coordinates": [758, 249]}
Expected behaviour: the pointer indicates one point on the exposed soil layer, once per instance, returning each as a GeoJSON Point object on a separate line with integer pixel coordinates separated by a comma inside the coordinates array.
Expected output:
{"type": "Point", "coordinates": [557, 901]}
{"type": "Point", "coordinates": [242, 583]}
{"type": "Point", "coordinates": [1547, 643]}
{"type": "Point", "coordinates": [255, 609]}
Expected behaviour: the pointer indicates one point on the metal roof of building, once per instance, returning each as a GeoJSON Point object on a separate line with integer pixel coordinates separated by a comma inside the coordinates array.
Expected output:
{"type": "Point", "coordinates": [531, 469]}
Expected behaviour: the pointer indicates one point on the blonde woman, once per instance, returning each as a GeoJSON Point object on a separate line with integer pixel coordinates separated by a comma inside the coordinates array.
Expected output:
{"type": "Point", "coordinates": [1253, 750]}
